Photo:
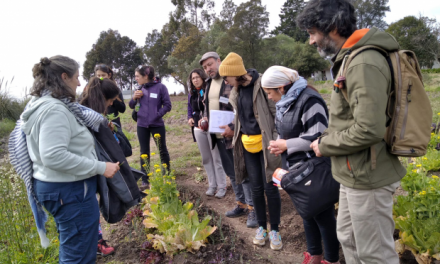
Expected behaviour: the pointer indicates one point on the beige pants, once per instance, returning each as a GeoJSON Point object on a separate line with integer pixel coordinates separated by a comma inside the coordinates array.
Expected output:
{"type": "Point", "coordinates": [365, 225]}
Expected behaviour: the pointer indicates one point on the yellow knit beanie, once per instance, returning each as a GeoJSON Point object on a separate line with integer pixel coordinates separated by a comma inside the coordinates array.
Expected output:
{"type": "Point", "coordinates": [232, 65]}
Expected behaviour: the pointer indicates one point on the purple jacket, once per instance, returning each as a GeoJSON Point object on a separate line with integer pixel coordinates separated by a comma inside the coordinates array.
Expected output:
{"type": "Point", "coordinates": [155, 103]}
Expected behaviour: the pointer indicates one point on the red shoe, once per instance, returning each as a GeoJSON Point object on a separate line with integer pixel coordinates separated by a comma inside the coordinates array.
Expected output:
{"type": "Point", "coordinates": [103, 249]}
{"type": "Point", "coordinates": [309, 259]}
{"type": "Point", "coordinates": [326, 262]}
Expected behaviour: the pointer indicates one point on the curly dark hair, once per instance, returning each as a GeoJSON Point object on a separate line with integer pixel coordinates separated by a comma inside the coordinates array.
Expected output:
{"type": "Point", "coordinates": [190, 84]}
{"type": "Point", "coordinates": [104, 68]}
{"type": "Point", "coordinates": [97, 92]}
{"type": "Point", "coordinates": [146, 70]}
{"type": "Point", "coordinates": [327, 15]}
{"type": "Point", "coordinates": [47, 76]}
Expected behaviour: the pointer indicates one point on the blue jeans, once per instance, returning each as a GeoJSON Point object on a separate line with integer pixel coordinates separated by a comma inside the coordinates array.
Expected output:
{"type": "Point", "coordinates": [76, 212]}
{"type": "Point", "coordinates": [243, 192]}
{"type": "Point", "coordinates": [323, 226]}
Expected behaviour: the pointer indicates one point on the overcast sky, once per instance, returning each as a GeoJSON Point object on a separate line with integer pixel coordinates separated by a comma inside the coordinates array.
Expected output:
{"type": "Point", "coordinates": [32, 29]}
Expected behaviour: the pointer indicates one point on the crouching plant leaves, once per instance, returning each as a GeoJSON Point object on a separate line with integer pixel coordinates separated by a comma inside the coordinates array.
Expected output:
{"type": "Point", "coordinates": [177, 226]}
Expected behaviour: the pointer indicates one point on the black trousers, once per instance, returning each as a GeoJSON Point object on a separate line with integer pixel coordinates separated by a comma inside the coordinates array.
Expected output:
{"type": "Point", "coordinates": [144, 142]}
{"type": "Point", "coordinates": [257, 176]}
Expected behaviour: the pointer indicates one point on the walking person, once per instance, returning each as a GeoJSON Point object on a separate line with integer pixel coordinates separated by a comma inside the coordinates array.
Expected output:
{"type": "Point", "coordinates": [61, 158]}
{"type": "Point", "coordinates": [254, 129]}
{"type": "Point", "coordinates": [210, 155]}
{"type": "Point", "coordinates": [217, 98]}
{"type": "Point", "coordinates": [118, 105]}
{"type": "Point", "coordinates": [302, 117]}
{"type": "Point", "coordinates": [154, 104]}
{"type": "Point", "coordinates": [355, 137]}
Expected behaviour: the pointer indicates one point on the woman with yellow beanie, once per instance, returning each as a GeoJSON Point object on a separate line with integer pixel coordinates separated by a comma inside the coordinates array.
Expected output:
{"type": "Point", "coordinates": [254, 129]}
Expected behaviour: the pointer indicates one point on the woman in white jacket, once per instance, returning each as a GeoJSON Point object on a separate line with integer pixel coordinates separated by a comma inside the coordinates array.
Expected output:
{"type": "Point", "coordinates": [63, 159]}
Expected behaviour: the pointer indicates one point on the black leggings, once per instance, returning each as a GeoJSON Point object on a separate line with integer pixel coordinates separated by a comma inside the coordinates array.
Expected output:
{"type": "Point", "coordinates": [254, 163]}
{"type": "Point", "coordinates": [144, 142]}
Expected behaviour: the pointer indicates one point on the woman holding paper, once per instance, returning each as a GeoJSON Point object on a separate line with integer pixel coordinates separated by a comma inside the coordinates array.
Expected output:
{"type": "Point", "coordinates": [254, 128]}
{"type": "Point", "coordinates": [301, 117]}
{"type": "Point", "coordinates": [210, 156]}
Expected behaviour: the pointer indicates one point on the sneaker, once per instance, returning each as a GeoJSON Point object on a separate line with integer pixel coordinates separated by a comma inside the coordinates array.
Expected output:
{"type": "Point", "coordinates": [275, 240]}
{"type": "Point", "coordinates": [326, 262]}
{"type": "Point", "coordinates": [220, 193]}
{"type": "Point", "coordinates": [252, 219]}
{"type": "Point", "coordinates": [237, 211]}
{"type": "Point", "coordinates": [309, 259]}
{"type": "Point", "coordinates": [260, 237]}
{"type": "Point", "coordinates": [210, 191]}
{"type": "Point", "coordinates": [104, 249]}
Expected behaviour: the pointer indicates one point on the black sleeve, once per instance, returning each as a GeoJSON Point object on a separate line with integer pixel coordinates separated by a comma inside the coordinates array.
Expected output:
{"type": "Point", "coordinates": [120, 106]}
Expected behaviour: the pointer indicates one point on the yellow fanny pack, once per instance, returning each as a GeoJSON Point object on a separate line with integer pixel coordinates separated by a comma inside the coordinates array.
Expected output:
{"type": "Point", "coordinates": [252, 143]}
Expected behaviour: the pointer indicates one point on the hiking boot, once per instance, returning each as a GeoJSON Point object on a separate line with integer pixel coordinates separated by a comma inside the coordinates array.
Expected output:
{"type": "Point", "coordinates": [210, 191]}
{"type": "Point", "coordinates": [252, 218]}
{"type": "Point", "coordinates": [275, 240]}
{"type": "Point", "coordinates": [260, 237]}
{"type": "Point", "coordinates": [104, 249]}
{"type": "Point", "coordinates": [220, 193]}
{"type": "Point", "coordinates": [239, 210]}
{"type": "Point", "coordinates": [326, 262]}
{"type": "Point", "coordinates": [309, 259]}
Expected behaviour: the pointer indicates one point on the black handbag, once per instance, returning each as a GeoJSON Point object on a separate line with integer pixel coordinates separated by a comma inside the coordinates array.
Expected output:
{"type": "Point", "coordinates": [134, 115]}
{"type": "Point", "coordinates": [311, 186]}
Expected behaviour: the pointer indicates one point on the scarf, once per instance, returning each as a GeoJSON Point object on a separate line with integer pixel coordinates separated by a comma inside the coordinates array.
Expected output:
{"type": "Point", "coordinates": [290, 97]}
{"type": "Point", "coordinates": [22, 163]}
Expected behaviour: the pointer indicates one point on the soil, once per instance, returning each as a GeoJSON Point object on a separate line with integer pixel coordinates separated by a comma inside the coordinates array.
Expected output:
{"type": "Point", "coordinates": [232, 241]}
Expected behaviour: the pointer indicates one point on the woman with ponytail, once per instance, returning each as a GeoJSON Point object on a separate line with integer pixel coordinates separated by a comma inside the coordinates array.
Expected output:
{"type": "Point", "coordinates": [52, 149]}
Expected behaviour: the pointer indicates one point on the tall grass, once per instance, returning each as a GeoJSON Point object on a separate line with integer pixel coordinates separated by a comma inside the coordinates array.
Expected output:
{"type": "Point", "coordinates": [10, 108]}
{"type": "Point", "coordinates": [19, 240]}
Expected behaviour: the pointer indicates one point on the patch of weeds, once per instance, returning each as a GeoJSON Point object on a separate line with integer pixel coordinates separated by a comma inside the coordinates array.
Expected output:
{"type": "Point", "coordinates": [324, 91]}
{"type": "Point", "coordinates": [199, 177]}
{"type": "Point", "coordinates": [6, 127]}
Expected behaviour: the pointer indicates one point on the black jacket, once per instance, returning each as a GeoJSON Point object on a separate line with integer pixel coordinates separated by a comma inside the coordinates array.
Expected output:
{"type": "Point", "coordinates": [120, 193]}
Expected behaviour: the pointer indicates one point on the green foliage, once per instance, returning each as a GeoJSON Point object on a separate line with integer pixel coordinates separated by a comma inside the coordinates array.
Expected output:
{"type": "Point", "coordinates": [430, 71]}
{"type": "Point", "coordinates": [19, 238]}
{"type": "Point", "coordinates": [118, 52]}
{"type": "Point", "coordinates": [6, 127]}
{"type": "Point", "coordinates": [10, 108]}
{"type": "Point", "coordinates": [371, 13]}
{"type": "Point", "coordinates": [289, 12]}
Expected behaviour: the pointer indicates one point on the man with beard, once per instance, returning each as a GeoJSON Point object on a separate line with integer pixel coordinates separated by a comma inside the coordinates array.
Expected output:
{"type": "Point", "coordinates": [217, 98]}
{"type": "Point", "coordinates": [354, 138]}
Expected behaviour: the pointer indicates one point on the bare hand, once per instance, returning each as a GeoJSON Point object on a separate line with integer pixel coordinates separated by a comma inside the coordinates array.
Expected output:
{"type": "Point", "coordinates": [277, 147]}
{"type": "Point", "coordinates": [111, 126]}
{"type": "Point", "coordinates": [138, 94]}
{"type": "Point", "coordinates": [315, 147]}
{"type": "Point", "coordinates": [228, 131]}
{"type": "Point", "coordinates": [111, 169]}
{"type": "Point", "coordinates": [191, 121]}
{"type": "Point", "coordinates": [200, 121]}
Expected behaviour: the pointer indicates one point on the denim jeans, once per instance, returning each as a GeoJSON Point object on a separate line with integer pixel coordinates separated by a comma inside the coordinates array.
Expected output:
{"type": "Point", "coordinates": [257, 175]}
{"type": "Point", "coordinates": [323, 226]}
{"type": "Point", "coordinates": [243, 192]}
{"type": "Point", "coordinates": [75, 209]}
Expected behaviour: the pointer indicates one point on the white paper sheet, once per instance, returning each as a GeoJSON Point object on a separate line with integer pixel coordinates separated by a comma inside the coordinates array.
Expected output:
{"type": "Point", "coordinates": [219, 118]}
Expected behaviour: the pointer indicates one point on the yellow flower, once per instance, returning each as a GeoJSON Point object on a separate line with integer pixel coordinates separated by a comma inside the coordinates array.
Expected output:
{"type": "Point", "coordinates": [432, 189]}
{"type": "Point", "coordinates": [173, 178]}
{"type": "Point", "coordinates": [435, 177]}
{"type": "Point", "coordinates": [164, 165]}
{"type": "Point", "coordinates": [144, 166]}
{"type": "Point", "coordinates": [149, 174]}
{"type": "Point", "coordinates": [178, 194]}
{"type": "Point", "coordinates": [419, 165]}
{"type": "Point", "coordinates": [168, 182]}
{"type": "Point", "coordinates": [158, 170]}
{"type": "Point", "coordinates": [144, 156]}
{"type": "Point", "coordinates": [423, 192]}
{"type": "Point", "coordinates": [156, 135]}
{"type": "Point", "coordinates": [424, 158]}
{"type": "Point", "coordinates": [414, 170]}
{"type": "Point", "coordinates": [152, 154]}
{"type": "Point", "coordinates": [438, 137]}
{"type": "Point", "coordinates": [438, 114]}
{"type": "Point", "coordinates": [156, 166]}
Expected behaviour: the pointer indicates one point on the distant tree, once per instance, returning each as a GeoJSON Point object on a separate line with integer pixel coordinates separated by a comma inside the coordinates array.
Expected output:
{"type": "Point", "coordinates": [156, 51]}
{"type": "Point", "coordinates": [371, 13]}
{"type": "Point", "coordinates": [413, 34]}
{"type": "Point", "coordinates": [228, 13]}
{"type": "Point", "coordinates": [429, 42]}
{"type": "Point", "coordinates": [289, 12]}
{"type": "Point", "coordinates": [118, 52]}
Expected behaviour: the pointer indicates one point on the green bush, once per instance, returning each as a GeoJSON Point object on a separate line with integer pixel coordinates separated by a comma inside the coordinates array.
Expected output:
{"type": "Point", "coordinates": [19, 240]}
{"type": "Point", "coordinates": [6, 127]}
{"type": "Point", "coordinates": [431, 70]}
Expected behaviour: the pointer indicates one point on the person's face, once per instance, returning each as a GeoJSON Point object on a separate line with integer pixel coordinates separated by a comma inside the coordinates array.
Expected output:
{"type": "Point", "coordinates": [140, 79]}
{"type": "Point", "coordinates": [109, 102]}
{"type": "Point", "coordinates": [196, 80]}
{"type": "Point", "coordinates": [325, 45]}
{"type": "Point", "coordinates": [231, 80]}
{"type": "Point", "coordinates": [101, 74]}
{"type": "Point", "coordinates": [273, 94]}
{"type": "Point", "coordinates": [210, 66]}
{"type": "Point", "coordinates": [73, 82]}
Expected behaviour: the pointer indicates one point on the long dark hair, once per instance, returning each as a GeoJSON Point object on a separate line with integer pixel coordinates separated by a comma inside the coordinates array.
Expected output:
{"type": "Point", "coordinates": [203, 76]}
{"type": "Point", "coordinates": [146, 70]}
{"type": "Point", "coordinates": [104, 68]}
{"type": "Point", "coordinates": [97, 92]}
{"type": "Point", "coordinates": [47, 76]}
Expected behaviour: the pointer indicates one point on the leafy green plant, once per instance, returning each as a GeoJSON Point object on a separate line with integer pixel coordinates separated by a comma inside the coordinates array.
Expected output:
{"type": "Point", "coordinates": [6, 127]}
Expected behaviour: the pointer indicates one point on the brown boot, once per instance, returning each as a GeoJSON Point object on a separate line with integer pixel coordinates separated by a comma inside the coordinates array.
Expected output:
{"type": "Point", "coordinates": [309, 259]}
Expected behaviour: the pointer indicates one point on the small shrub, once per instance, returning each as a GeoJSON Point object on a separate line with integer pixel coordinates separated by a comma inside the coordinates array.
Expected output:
{"type": "Point", "coordinates": [324, 91]}
{"type": "Point", "coordinates": [430, 71]}
{"type": "Point", "coordinates": [6, 127]}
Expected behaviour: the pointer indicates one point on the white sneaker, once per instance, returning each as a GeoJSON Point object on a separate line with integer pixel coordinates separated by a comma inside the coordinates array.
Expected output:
{"type": "Point", "coordinates": [260, 238]}
{"type": "Point", "coordinates": [275, 240]}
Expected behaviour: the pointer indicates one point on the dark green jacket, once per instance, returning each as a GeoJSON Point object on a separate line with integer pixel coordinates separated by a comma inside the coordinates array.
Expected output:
{"type": "Point", "coordinates": [356, 128]}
